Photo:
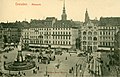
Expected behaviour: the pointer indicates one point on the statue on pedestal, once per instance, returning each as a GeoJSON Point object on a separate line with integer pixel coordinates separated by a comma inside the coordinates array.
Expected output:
{"type": "Point", "coordinates": [19, 56]}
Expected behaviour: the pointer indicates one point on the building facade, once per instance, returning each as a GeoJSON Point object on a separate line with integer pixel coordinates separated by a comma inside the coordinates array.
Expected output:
{"type": "Point", "coordinates": [89, 35]}
{"type": "Point", "coordinates": [1, 37]}
{"type": "Point", "coordinates": [107, 30]}
{"type": "Point", "coordinates": [106, 36]}
{"type": "Point", "coordinates": [12, 33]}
{"type": "Point", "coordinates": [50, 33]}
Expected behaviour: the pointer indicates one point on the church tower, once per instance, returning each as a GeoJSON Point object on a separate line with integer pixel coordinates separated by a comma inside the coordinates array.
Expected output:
{"type": "Point", "coordinates": [64, 15]}
{"type": "Point", "coordinates": [87, 17]}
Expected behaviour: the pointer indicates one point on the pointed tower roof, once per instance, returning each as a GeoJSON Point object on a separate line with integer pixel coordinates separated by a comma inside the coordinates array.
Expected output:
{"type": "Point", "coordinates": [86, 16]}
{"type": "Point", "coordinates": [64, 15]}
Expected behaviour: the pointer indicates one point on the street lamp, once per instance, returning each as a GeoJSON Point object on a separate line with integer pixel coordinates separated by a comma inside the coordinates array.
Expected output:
{"type": "Point", "coordinates": [46, 74]}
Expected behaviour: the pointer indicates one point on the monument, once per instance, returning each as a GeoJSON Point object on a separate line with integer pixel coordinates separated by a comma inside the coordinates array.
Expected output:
{"type": "Point", "coordinates": [20, 63]}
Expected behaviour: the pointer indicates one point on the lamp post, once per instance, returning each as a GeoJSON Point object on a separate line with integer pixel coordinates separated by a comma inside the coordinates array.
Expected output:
{"type": "Point", "coordinates": [46, 74]}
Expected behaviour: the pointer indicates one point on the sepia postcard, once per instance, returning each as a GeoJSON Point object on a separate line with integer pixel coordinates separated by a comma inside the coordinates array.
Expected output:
{"type": "Point", "coordinates": [59, 38]}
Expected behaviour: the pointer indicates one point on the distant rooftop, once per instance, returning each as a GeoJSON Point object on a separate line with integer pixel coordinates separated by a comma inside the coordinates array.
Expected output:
{"type": "Point", "coordinates": [114, 21]}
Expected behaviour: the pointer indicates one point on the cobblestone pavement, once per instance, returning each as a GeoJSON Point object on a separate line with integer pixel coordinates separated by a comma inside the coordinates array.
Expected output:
{"type": "Point", "coordinates": [52, 71]}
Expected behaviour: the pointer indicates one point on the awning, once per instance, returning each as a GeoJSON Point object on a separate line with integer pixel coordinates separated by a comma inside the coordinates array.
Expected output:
{"type": "Point", "coordinates": [103, 48]}
{"type": "Point", "coordinates": [37, 45]}
{"type": "Point", "coordinates": [60, 46]}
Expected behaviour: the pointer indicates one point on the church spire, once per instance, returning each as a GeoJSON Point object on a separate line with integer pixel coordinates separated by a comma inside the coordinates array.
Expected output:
{"type": "Point", "coordinates": [64, 15]}
{"type": "Point", "coordinates": [86, 16]}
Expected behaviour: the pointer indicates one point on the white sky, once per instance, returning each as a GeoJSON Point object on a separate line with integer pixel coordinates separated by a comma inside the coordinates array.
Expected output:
{"type": "Point", "coordinates": [75, 9]}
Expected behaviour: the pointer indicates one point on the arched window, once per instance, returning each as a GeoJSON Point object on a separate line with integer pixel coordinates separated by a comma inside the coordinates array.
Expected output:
{"type": "Point", "coordinates": [95, 38]}
{"type": "Point", "coordinates": [84, 43]}
{"type": "Point", "coordinates": [95, 33]}
{"type": "Point", "coordinates": [89, 38]}
{"type": "Point", "coordinates": [84, 33]}
{"type": "Point", "coordinates": [89, 33]}
{"type": "Point", "coordinates": [84, 38]}
{"type": "Point", "coordinates": [84, 48]}
{"type": "Point", "coordinates": [89, 43]}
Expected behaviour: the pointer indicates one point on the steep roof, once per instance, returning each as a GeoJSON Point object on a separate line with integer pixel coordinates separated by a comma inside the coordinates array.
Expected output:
{"type": "Point", "coordinates": [9, 25]}
{"type": "Point", "coordinates": [64, 24]}
{"type": "Point", "coordinates": [36, 25]}
{"type": "Point", "coordinates": [114, 21]}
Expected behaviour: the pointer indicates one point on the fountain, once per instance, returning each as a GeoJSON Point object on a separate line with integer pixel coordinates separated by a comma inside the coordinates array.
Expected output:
{"type": "Point", "coordinates": [20, 63]}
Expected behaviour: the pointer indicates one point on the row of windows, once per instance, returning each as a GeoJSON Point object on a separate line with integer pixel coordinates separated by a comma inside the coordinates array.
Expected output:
{"type": "Point", "coordinates": [49, 33]}
{"type": "Point", "coordinates": [36, 32]}
{"type": "Point", "coordinates": [42, 32]}
{"type": "Point", "coordinates": [26, 33]}
{"type": "Point", "coordinates": [89, 43]}
{"type": "Point", "coordinates": [36, 41]}
{"type": "Point", "coordinates": [62, 33]}
{"type": "Point", "coordinates": [90, 38]}
{"type": "Point", "coordinates": [61, 37]}
{"type": "Point", "coordinates": [89, 33]}
{"type": "Point", "coordinates": [107, 43]}
{"type": "Point", "coordinates": [90, 27]}
{"type": "Point", "coordinates": [35, 37]}
{"type": "Point", "coordinates": [86, 48]}
{"type": "Point", "coordinates": [40, 28]}
{"type": "Point", "coordinates": [26, 41]}
{"type": "Point", "coordinates": [46, 32]}
{"type": "Point", "coordinates": [107, 27]}
{"type": "Point", "coordinates": [106, 38]}
{"type": "Point", "coordinates": [61, 28]}
{"type": "Point", "coordinates": [62, 42]}
{"type": "Point", "coordinates": [26, 37]}
{"type": "Point", "coordinates": [49, 37]}
{"type": "Point", "coordinates": [106, 33]}
{"type": "Point", "coordinates": [46, 42]}
{"type": "Point", "coordinates": [49, 28]}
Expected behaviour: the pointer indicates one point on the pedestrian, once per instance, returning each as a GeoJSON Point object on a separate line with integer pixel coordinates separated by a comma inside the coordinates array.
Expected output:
{"type": "Point", "coordinates": [19, 72]}
{"type": "Point", "coordinates": [109, 68]}
{"type": "Point", "coordinates": [66, 58]}
{"type": "Point", "coordinates": [38, 67]}
{"type": "Point", "coordinates": [33, 71]}
{"type": "Point", "coordinates": [24, 74]}
{"type": "Point", "coordinates": [38, 60]}
{"type": "Point", "coordinates": [72, 68]}
{"type": "Point", "coordinates": [4, 62]}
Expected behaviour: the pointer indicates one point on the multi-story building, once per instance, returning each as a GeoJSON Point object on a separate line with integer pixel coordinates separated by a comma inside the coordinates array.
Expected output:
{"type": "Point", "coordinates": [106, 36]}
{"type": "Point", "coordinates": [51, 33]}
{"type": "Point", "coordinates": [1, 37]}
{"type": "Point", "coordinates": [58, 34]}
{"type": "Point", "coordinates": [89, 39]}
{"type": "Point", "coordinates": [89, 35]}
{"type": "Point", "coordinates": [107, 29]}
{"type": "Point", "coordinates": [64, 34]}
{"type": "Point", "coordinates": [12, 33]}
